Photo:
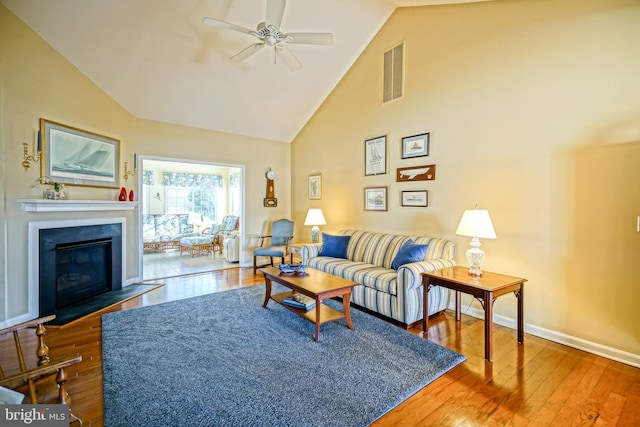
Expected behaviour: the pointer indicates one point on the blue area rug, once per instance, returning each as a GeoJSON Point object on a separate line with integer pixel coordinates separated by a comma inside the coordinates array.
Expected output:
{"type": "Point", "coordinates": [223, 360]}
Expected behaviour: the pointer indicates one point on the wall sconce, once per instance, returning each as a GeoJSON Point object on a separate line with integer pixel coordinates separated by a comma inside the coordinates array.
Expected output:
{"type": "Point", "coordinates": [128, 173]}
{"type": "Point", "coordinates": [27, 158]}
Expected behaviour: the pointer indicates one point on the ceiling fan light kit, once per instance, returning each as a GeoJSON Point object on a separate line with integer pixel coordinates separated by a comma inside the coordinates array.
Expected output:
{"type": "Point", "coordinates": [269, 33]}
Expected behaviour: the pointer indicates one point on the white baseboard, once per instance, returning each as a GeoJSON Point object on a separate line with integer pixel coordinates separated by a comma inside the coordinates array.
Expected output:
{"type": "Point", "coordinates": [560, 338]}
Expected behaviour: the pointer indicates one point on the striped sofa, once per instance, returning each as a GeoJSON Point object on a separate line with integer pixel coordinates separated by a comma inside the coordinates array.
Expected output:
{"type": "Point", "coordinates": [393, 294]}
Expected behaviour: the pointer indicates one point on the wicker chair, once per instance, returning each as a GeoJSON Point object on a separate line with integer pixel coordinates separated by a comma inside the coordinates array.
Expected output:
{"type": "Point", "coordinates": [229, 224]}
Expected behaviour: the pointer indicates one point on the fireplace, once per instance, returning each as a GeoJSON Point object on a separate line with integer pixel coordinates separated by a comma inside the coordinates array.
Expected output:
{"type": "Point", "coordinates": [77, 263]}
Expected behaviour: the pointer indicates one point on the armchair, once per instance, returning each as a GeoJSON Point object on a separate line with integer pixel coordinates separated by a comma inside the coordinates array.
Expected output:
{"type": "Point", "coordinates": [281, 235]}
{"type": "Point", "coordinates": [44, 383]}
{"type": "Point", "coordinates": [219, 231]}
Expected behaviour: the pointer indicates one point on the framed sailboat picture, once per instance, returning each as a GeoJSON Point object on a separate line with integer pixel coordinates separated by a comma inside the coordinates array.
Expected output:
{"type": "Point", "coordinates": [375, 156]}
{"type": "Point", "coordinates": [78, 157]}
{"type": "Point", "coordinates": [415, 146]}
{"type": "Point", "coordinates": [375, 199]}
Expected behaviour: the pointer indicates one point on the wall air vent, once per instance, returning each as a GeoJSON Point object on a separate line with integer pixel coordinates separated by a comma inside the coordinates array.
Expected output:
{"type": "Point", "coordinates": [393, 74]}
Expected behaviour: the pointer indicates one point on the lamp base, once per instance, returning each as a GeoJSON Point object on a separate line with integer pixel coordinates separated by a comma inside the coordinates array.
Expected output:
{"type": "Point", "coordinates": [315, 234]}
{"type": "Point", "coordinates": [475, 272]}
{"type": "Point", "coordinates": [475, 256]}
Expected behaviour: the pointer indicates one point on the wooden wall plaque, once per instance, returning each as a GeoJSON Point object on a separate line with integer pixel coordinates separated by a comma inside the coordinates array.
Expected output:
{"type": "Point", "coordinates": [416, 173]}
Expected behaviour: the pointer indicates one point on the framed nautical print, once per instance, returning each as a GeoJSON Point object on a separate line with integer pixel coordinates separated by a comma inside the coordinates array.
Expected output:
{"type": "Point", "coordinates": [78, 157]}
{"type": "Point", "coordinates": [414, 198]}
{"type": "Point", "coordinates": [375, 199]}
{"type": "Point", "coordinates": [415, 146]}
{"type": "Point", "coordinates": [375, 156]}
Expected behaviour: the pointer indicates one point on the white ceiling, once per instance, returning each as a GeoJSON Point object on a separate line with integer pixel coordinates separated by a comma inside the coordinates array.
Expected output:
{"type": "Point", "coordinates": [160, 62]}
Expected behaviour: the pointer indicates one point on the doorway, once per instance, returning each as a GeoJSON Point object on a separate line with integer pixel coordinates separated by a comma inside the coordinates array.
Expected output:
{"type": "Point", "coordinates": [182, 198]}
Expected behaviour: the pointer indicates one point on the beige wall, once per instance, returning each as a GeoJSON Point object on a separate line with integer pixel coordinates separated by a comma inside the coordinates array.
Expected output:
{"type": "Point", "coordinates": [37, 82]}
{"type": "Point", "coordinates": [534, 112]}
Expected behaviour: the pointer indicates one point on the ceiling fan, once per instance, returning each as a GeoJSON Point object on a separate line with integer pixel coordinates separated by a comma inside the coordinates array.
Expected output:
{"type": "Point", "coordinates": [270, 34]}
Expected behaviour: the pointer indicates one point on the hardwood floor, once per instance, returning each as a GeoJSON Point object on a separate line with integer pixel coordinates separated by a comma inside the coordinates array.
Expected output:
{"type": "Point", "coordinates": [536, 384]}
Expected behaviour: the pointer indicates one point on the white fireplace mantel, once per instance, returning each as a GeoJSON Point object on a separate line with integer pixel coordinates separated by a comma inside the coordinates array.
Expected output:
{"type": "Point", "coordinates": [47, 205]}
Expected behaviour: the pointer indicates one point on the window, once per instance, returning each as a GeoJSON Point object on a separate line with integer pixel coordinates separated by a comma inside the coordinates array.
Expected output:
{"type": "Point", "coordinates": [200, 200]}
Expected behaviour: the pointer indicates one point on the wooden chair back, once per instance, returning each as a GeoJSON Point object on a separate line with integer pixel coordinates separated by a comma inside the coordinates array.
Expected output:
{"type": "Point", "coordinates": [41, 379]}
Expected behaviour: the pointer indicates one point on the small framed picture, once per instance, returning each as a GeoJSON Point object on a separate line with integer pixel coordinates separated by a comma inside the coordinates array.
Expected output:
{"type": "Point", "coordinates": [375, 199]}
{"type": "Point", "coordinates": [415, 146]}
{"type": "Point", "coordinates": [415, 198]}
{"type": "Point", "coordinates": [375, 156]}
{"type": "Point", "coordinates": [315, 187]}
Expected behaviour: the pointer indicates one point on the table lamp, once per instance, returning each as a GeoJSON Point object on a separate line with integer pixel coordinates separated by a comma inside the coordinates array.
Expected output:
{"type": "Point", "coordinates": [476, 223]}
{"type": "Point", "coordinates": [315, 218]}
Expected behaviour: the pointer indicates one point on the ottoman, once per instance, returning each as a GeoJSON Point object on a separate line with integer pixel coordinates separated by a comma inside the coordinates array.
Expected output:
{"type": "Point", "coordinates": [231, 249]}
{"type": "Point", "coordinates": [196, 245]}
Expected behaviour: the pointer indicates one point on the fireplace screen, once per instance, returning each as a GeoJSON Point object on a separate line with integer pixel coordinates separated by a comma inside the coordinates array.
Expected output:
{"type": "Point", "coordinates": [82, 271]}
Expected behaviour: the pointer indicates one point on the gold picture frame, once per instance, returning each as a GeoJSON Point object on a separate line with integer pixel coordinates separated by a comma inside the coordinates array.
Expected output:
{"type": "Point", "coordinates": [78, 157]}
{"type": "Point", "coordinates": [315, 187]}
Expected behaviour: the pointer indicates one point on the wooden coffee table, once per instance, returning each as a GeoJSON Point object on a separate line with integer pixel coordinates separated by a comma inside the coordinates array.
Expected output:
{"type": "Point", "coordinates": [314, 284]}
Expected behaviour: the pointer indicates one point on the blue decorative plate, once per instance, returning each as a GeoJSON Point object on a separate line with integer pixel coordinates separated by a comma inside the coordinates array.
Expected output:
{"type": "Point", "coordinates": [292, 268]}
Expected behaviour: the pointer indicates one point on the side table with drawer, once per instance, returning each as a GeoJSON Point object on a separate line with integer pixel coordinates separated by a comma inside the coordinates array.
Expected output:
{"type": "Point", "coordinates": [296, 249]}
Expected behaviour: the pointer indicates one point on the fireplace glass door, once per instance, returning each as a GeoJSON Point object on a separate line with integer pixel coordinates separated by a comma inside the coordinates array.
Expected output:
{"type": "Point", "coordinates": [83, 270]}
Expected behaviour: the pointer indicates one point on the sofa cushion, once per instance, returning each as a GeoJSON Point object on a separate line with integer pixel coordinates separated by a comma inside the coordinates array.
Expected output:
{"type": "Point", "coordinates": [373, 248]}
{"type": "Point", "coordinates": [369, 275]}
{"type": "Point", "coordinates": [409, 252]}
{"type": "Point", "coordinates": [334, 246]}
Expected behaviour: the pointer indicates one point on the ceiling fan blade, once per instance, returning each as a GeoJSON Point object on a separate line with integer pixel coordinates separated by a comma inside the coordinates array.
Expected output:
{"type": "Point", "coordinates": [275, 12]}
{"type": "Point", "coordinates": [226, 25]}
{"type": "Point", "coordinates": [288, 58]}
{"type": "Point", "coordinates": [247, 52]}
{"type": "Point", "coordinates": [311, 38]}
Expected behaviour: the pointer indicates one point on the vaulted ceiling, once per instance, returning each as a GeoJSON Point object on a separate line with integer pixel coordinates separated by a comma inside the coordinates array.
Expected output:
{"type": "Point", "coordinates": [160, 62]}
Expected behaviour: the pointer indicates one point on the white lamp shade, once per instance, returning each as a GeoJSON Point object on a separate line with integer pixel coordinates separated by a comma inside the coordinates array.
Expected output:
{"type": "Point", "coordinates": [476, 223]}
{"type": "Point", "coordinates": [315, 217]}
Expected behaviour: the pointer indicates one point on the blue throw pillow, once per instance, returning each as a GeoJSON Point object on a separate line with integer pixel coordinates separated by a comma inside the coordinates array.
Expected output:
{"type": "Point", "coordinates": [334, 246]}
{"type": "Point", "coordinates": [409, 252]}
